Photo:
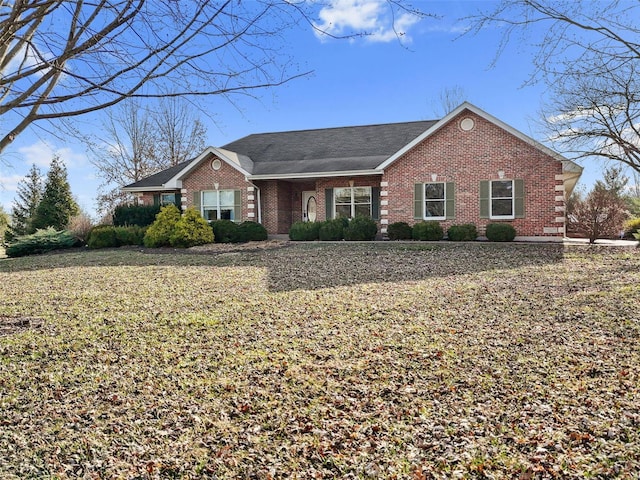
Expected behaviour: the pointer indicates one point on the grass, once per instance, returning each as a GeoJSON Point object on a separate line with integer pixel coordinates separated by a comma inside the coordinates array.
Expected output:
{"type": "Point", "coordinates": [322, 361]}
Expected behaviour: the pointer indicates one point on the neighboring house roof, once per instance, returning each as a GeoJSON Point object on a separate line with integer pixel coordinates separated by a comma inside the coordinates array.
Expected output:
{"type": "Point", "coordinates": [360, 150]}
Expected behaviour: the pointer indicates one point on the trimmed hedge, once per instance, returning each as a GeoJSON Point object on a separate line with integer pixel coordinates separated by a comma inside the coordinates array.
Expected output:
{"type": "Point", "coordinates": [333, 230]}
{"type": "Point", "coordinates": [429, 231]}
{"type": "Point", "coordinates": [160, 231]}
{"type": "Point", "coordinates": [41, 241]}
{"type": "Point", "coordinates": [400, 231]}
{"type": "Point", "coordinates": [141, 215]}
{"type": "Point", "coordinates": [466, 232]}
{"type": "Point", "coordinates": [500, 232]}
{"type": "Point", "coordinates": [251, 232]}
{"type": "Point", "coordinates": [360, 229]}
{"type": "Point", "coordinates": [305, 231]}
{"type": "Point", "coordinates": [108, 236]}
{"type": "Point", "coordinates": [224, 231]}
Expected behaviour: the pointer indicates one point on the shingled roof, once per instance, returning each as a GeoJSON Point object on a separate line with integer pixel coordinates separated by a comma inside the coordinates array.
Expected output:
{"type": "Point", "coordinates": [323, 150]}
{"type": "Point", "coordinates": [327, 149]}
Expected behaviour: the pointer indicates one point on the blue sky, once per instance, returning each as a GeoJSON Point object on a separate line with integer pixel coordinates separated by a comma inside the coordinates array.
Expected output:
{"type": "Point", "coordinates": [370, 80]}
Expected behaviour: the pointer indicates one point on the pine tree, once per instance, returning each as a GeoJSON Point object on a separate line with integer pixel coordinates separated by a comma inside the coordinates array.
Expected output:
{"type": "Point", "coordinates": [29, 194]}
{"type": "Point", "coordinates": [57, 205]}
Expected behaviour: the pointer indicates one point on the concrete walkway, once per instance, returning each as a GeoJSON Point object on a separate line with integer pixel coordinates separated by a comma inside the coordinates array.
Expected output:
{"type": "Point", "coordinates": [613, 243]}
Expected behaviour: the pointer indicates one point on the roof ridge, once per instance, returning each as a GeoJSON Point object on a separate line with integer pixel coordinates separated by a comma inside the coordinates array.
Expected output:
{"type": "Point", "coordinates": [338, 128]}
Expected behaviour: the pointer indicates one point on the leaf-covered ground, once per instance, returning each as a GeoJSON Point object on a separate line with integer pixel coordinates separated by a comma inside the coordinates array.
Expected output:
{"type": "Point", "coordinates": [380, 360]}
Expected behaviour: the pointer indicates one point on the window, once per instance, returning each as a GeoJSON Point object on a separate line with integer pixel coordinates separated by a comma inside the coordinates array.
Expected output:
{"type": "Point", "coordinates": [167, 198]}
{"type": "Point", "coordinates": [350, 202]}
{"type": "Point", "coordinates": [220, 205]}
{"type": "Point", "coordinates": [502, 199]}
{"type": "Point", "coordinates": [434, 201]}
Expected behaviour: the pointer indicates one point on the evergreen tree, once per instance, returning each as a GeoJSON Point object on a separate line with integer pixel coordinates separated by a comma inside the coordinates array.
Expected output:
{"type": "Point", "coordinates": [29, 194]}
{"type": "Point", "coordinates": [57, 205]}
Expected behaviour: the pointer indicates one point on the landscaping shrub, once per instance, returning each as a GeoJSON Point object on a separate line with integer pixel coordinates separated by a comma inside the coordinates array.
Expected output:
{"type": "Point", "coordinates": [631, 226]}
{"type": "Point", "coordinates": [361, 229]}
{"type": "Point", "coordinates": [429, 231]}
{"type": "Point", "coordinates": [141, 215]}
{"type": "Point", "coordinates": [400, 231]}
{"type": "Point", "coordinates": [102, 236]}
{"type": "Point", "coordinates": [131, 235]}
{"type": "Point", "coordinates": [332, 230]}
{"type": "Point", "coordinates": [466, 232]}
{"type": "Point", "coordinates": [500, 232]}
{"type": "Point", "coordinates": [305, 231]}
{"type": "Point", "coordinates": [80, 226]}
{"type": "Point", "coordinates": [224, 231]}
{"type": "Point", "coordinates": [190, 230]}
{"type": "Point", "coordinates": [251, 232]}
{"type": "Point", "coordinates": [159, 232]}
{"type": "Point", "coordinates": [41, 241]}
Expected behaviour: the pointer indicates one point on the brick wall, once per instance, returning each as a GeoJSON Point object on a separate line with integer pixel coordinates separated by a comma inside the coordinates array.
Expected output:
{"type": "Point", "coordinates": [466, 158]}
{"type": "Point", "coordinates": [204, 177]}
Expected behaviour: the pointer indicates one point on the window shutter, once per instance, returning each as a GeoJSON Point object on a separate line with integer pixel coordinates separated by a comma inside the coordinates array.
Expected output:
{"type": "Point", "coordinates": [156, 199]}
{"type": "Point", "coordinates": [450, 204]}
{"type": "Point", "coordinates": [418, 201]}
{"type": "Point", "coordinates": [484, 199]}
{"type": "Point", "coordinates": [196, 201]}
{"type": "Point", "coordinates": [237, 205]}
{"type": "Point", "coordinates": [328, 203]}
{"type": "Point", "coordinates": [518, 188]}
{"type": "Point", "coordinates": [179, 201]}
{"type": "Point", "coordinates": [375, 203]}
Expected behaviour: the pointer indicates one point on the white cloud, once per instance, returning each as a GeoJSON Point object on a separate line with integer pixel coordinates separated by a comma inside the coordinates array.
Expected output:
{"type": "Point", "coordinates": [41, 153]}
{"type": "Point", "coordinates": [9, 183]}
{"type": "Point", "coordinates": [345, 17]}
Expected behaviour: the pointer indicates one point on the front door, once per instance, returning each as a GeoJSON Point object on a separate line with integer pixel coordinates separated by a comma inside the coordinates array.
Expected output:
{"type": "Point", "coordinates": [309, 206]}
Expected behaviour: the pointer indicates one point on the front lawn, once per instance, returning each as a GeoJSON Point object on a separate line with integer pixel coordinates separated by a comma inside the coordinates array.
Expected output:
{"type": "Point", "coordinates": [381, 360]}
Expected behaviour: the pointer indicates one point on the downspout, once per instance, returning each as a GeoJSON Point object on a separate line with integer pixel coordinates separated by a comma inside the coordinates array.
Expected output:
{"type": "Point", "coordinates": [258, 199]}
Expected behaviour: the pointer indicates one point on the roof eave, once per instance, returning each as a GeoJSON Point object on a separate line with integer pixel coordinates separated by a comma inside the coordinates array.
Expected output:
{"type": "Point", "coordinates": [310, 175]}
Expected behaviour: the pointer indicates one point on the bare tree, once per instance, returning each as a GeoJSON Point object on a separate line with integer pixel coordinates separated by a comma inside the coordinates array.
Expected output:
{"type": "Point", "coordinates": [139, 141]}
{"type": "Point", "coordinates": [64, 58]}
{"type": "Point", "coordinates": [179, 133]}
{"type": "Point", "coordinates": [589, 55]}
{"type": "Point", "coordinates": [600, 215]}
{"type": "Point", "coordinates": [448, 100]}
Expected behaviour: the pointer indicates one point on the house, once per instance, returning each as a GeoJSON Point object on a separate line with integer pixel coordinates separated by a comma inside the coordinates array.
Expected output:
{"type": "Point", "coordinates": [468, 167]}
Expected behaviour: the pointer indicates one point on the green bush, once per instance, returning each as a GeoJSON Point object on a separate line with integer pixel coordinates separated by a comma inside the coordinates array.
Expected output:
{"type": "Point", "coordinates": [332, 230]}
{"type": "Point", "coordinates": [466, 232]}
{"type": "Point", "coordinates": [631, 226]}
{"type": "Point", "coordinates": [400, 231]}
{"type": "Point", "coordinates": [160, 231]}
{"type": "Point", "coordinates": [190, 230]}
{"type": "Point", "coordinates": [108, 236]}
{"type": "Point", "coordinates": [224, 231]}
{"type": "Point", "coordinates": [251, 232]}
{"type": "Point", "coordinates": [305, 231]}
{"type": "Point", "coordinates": [429, 231]}
{"type": "Point", "coordinates": [500, 232]}
{"type": "Point", "coordinates": [361, 229]}
{"type": "Point", "coordinates": [102, 236]}
{"type": "Point", "coordinates": [131, 235]}
{"type": "Point", "coordinates": [141, 215]}
{"type": "Point", "coordinates": [41, 241]}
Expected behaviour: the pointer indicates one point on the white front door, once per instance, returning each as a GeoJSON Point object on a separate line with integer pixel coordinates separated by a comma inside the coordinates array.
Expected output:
{"type": "Point", "coordinates": [309, 206]}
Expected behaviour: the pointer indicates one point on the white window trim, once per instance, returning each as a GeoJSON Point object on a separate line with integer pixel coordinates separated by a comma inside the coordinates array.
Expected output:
{"type": "Point", "coordinates": [353, 204]}
{"type": "Point", "coordinates": [217, 208]}
{"type": "Point", "coordinates": [444, 200]}
{"type": "Point", "coordinates": [492, 198]}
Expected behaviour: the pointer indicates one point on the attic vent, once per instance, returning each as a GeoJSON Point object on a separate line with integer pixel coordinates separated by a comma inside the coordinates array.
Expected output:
{"type": "Point", "coordinates": [216, 164]}
{"type": "Point", "coordinates": [467, 124]}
